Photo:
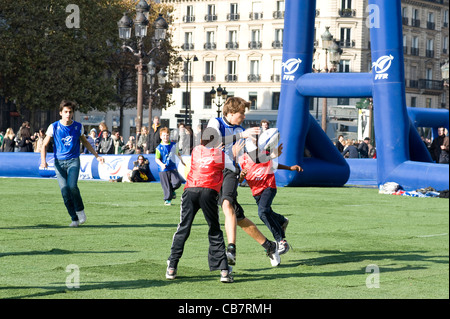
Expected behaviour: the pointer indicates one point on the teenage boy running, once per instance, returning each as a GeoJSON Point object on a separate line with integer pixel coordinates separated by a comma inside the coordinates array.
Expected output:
{"type": "Point", "coordinates": [201, 191]}
{"type": "Point", "coordinates": [67, 135]}
{"type": "Point", "coordinates": [230, 129]}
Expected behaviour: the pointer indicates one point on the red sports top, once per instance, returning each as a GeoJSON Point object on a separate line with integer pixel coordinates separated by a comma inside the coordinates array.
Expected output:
{"type": "Point", "coordinates": [207, 165]}
{"type": "Point", "coordinates": [259, 176]}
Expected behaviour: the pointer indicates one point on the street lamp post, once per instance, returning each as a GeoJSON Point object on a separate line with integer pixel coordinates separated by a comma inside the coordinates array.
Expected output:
{"type": "Point", "coordinates": [222, 95]}
{"type": "Point", "coordinates": [141, 24]}
{"type": "Point", "coordinates": [187, 115]}
{"type": "Point", "coordinates": [151, 76]}
{"type": "Point", "coordinates": [327, 39]}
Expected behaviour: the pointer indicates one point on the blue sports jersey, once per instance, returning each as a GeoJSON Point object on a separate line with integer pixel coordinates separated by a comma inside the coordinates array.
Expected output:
{"type": "Point", "coordinates": [66, 139]}
{"type": "Point", "coordinates": [227, 130]}
{"type": "Point", "coordinates": [166, 154]}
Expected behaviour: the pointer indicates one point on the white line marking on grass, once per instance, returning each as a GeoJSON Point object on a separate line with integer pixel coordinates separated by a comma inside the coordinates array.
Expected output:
{"type": "Point", "coordinates": [435, 235]}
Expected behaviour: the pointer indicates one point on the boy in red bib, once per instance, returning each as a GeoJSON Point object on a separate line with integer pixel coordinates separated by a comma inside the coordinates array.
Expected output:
{"type": "Point", "coordinates": [261, 180]}
{"type": "Point", "coordinates": [202, 188]}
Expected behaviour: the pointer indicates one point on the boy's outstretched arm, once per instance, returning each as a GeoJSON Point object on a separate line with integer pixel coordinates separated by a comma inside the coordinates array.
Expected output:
{"type": "Point", "coordinates": [297, 168]}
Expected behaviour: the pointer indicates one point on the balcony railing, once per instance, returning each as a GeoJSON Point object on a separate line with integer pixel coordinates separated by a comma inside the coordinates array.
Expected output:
{"type": "Point", "coordinates": [429, 54]}
{"type": "Point", "coordinates": [431, 25]}
{"type": "Point", "coordinates": [211, 17]}
{"type": "Point", "coordinates": [414, 84]}
{"type": "Point", "coordinates": [187, 46]}
{"type": "Point", "coordinates": [275, 78]}
{"type": "Point", "coordinates": [277, 44]}
{"type": "Point", "coordinates": [345, 13]}
{"type": "Point", "coordinates": [254, 45]}
{"type": "Point", "coordinates": [256, 15]}
{"type": "Point", "coordinates": [431, 85]}
{"type": "Point", "coordinates": [278, 14]}
{"type": "Point", "coordinates": [185, 78]}
{"type": "Point", "coordinates": [231, 78]}
{"type": "Point", "coordinates": [254, 78]}
{"type": "Point", "coordinates": [415, 51]}
{"type": "Point", "coordinates": [233, 16]}
{"type": "Point", "coordinates": [415, 23]}
{"type": "Point", "coordinates": [209, 78]}
{"type": "Point", "coordinates": [232, 45]}
{"type": "Point", "coordinates": [405, 20]}
{"type": "Point", "coordinates": [188, 19]}
{"type": "Point", "coordinates": [347, 44]}
{"type": "Point", "coordinates": [209, 46]}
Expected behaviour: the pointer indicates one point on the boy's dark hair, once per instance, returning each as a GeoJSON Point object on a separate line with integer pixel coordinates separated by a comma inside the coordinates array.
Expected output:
{"type": "Point", "coordinates": [210, 137]}
{"type": "Point", "coordinates": [67, 103]}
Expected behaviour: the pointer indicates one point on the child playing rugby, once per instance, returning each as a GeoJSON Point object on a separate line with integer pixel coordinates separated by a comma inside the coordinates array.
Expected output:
{"type": "Point", "coordinates": [261, 180]}
{"type": "Point", "coordinates": [168, 173]}
{"type": "Point", "coordinates": [201, 191]}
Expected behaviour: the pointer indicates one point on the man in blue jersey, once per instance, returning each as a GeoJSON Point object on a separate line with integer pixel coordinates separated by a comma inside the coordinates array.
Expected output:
{"type": "Point", "coordinates": [67, 135]}
{"type": "Point", "coordinates": [231, 131]}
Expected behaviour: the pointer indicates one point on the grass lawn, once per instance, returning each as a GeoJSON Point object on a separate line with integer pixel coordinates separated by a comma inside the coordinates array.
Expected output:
{"type": "Point", "coordinates": [342, 238]}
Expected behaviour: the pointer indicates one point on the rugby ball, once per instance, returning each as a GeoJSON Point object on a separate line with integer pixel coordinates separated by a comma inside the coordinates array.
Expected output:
{"type": "Point", "coordinates": [269, 139]}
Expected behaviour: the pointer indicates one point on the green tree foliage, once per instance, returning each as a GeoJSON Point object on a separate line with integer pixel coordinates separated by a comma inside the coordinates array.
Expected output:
{"type": "Point", "coordinates": [50, 52]}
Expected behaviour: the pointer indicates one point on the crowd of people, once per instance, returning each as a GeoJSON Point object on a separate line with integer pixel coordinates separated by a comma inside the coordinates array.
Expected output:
{"type": "Point", "coordinates": [106, 142]}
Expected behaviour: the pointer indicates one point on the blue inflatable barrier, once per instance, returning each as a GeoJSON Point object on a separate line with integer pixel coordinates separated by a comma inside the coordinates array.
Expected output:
{"type": "Point", "coordinates": [401, 156]}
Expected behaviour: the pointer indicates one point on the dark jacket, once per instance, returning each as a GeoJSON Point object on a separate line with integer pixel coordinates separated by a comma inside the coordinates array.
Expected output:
{"type": "Point", "coordinates": [153, 139]}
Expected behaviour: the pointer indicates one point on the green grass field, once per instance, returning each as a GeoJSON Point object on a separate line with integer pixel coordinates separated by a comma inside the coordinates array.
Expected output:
{"type": "Point", "coordinates": [121, 251]}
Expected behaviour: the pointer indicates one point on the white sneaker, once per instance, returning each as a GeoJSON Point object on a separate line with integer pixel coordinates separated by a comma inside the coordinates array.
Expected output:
{"type": "Point", "coordinates": [81, 217]}
{"type": "Point", "coordinates": [74, 223]}
{"type": "Point", "coordinates": [274, 256]}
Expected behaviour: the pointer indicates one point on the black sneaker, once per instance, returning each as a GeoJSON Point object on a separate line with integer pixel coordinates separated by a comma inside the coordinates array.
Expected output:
{"type": "Point", "coordinates": [231, 254]}
{"type": "Point", "coordinates": [225, 275]}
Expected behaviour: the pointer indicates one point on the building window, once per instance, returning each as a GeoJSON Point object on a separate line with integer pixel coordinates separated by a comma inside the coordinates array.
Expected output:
{"type": "Point", "coordinates": [275, 100]}
{"type": "Point", "coordinates": [346, 40]}
{"type": "Point", "coordinates": [254, 71]}
{"type": "Point", "coordinates": [208, 101]}
{"type": "Point", "coordinates": [279, 13]}
{"type": "Point", "coordinates": [276, 75]}
{"type": "Point", "coordinates": [415, 18]}
{"type": "Point", "coordinates": [278, 43]}
{"type": "Point", "coordinates": [257, 11]}
{"type": "Point", "coordinates": [209, 72]}
{"type": "Point", "coordinates": [255, 43]}
{"type": "Point", "coordinates": [189, 17]}
{"type": "Point", "coordinates": [232, 43]}
{"type": "Point", "coordinates": [430, 48]}
{"type": "Point", "coordinates": [211, 13]}
{"type": "Point", "coordinates": [430, 22]}
{"type": "Point", "coordinates": [253, 98]}
{"type": "Point", "coordinates": [233, 15]}
{"type": "Point", "coordinates": [445, 19]}
{"type": "Point", "coordinates": [188, 45]}
{"type": "Point", "coordinates": [413, 101]}
{"type": "Point", "coordinates": [210, 44]}
{"type": "Point", "coordinates": [415, 46]}
{"type": "Point", "coordinates": [344, 66]}
{"type": "Point", "coordinates": [445, 45]}
{"type": "Point", "coordinates": [231, 76]}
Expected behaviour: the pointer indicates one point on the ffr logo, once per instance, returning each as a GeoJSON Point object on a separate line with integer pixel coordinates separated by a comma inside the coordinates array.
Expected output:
{"type": "Point", "coordinates": [381, 67]}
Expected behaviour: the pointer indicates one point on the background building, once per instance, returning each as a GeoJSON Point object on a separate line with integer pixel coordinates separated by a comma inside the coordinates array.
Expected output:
{"type": "Point", "coordinates": [238, 45]}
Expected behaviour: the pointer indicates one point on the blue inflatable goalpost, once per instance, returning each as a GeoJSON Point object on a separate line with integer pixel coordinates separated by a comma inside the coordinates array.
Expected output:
{"type": "Point", "coordinates": [401, 155]}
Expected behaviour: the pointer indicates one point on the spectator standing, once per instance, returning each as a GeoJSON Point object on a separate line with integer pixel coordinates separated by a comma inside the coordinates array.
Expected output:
{"type": "Point", "coordinates": [154, 138]}
{"type": "Point", "coordinates": [8, 141]}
